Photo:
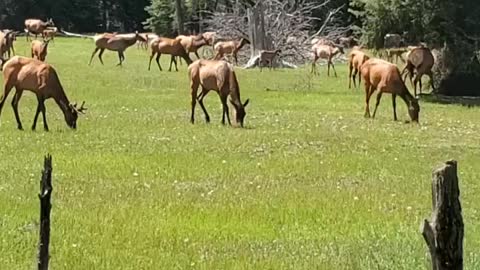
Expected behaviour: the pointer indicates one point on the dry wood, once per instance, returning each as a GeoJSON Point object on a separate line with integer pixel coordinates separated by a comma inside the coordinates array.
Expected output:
{"type": "Point", "coordinates": [45, 208]}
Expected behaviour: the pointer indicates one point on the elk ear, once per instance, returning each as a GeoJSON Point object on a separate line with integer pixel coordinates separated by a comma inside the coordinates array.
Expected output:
{"type": "Point", "coordinates": [246, 102]}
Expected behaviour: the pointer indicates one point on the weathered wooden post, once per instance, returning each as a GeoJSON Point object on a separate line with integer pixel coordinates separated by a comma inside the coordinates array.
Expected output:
{"type": "Point", "coordinates": [444, 233]}
{"type": "Point", "coordinates": [45, 207]}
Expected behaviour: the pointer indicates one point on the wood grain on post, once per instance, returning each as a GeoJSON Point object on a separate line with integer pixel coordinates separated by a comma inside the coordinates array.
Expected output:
{"type": "Point", "coordinates": [45, 207]}
{"type": "Point", "coordinates": [444, 232]}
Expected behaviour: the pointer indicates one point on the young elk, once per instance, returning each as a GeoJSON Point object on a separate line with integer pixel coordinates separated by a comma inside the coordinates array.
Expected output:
{"type": "Point", "coordinates": [325, 52]}
{"type": "Point", "coordinates": [356, 59]}
{"type": "Point", "coordinates": [168, 46]}
{"type": "Point", "coordinates": [36, 27]}
{"type": "Point", "coordinates": [50, 33]}
{"type": "Point", "coordinates": [42, 79]}
{"type": "Point", "coordinates": [39, 49]}
{"type": "Point", "coordinates": [4, 48]}
{"type": "Point", "coordinates": [385, 77]}
{"type": "Point", "coordinates": [218, 76]}
{"type": "Point", "coordinates": [229, 47]}
{"type": "Point", "coordinates": [268, 57]}
{"type": "Point", "coordinates": [9, 36]}
{"type": "Point", "coordinates": [114, 42]}
{"type": "Point", "coordinates": [419, 59]}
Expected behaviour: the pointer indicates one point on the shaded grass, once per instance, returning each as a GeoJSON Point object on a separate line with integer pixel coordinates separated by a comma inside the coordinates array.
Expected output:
{"type": "Point", "coordinates": [309, 184]}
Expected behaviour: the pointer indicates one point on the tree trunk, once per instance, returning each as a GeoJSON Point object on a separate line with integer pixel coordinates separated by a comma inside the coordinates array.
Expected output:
{"type": "Point", "coordinates": [179, 15]}
{"type": "Point", "coordinates": [258, 39]}
{"type": "Point", "coordinates": [45, 207]}
{"type": "Point", "coordinates": [444, 233]}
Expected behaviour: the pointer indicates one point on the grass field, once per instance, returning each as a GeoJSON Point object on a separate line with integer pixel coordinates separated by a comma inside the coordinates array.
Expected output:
{"type": "Point", "coordinates": [308, 184]}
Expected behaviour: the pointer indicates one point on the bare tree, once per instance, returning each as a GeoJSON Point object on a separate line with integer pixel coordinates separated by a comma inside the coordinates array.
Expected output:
{"type": "Point", "coordinates": [179, 15]}
{"type": "Point", "coordinates": [276, 24]}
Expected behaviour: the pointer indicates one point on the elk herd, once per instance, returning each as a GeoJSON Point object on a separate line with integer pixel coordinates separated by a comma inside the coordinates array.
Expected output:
{"type": "Point", "coordinates": [218, 75]}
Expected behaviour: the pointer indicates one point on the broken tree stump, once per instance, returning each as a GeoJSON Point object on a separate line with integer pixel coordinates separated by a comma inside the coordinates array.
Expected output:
{"type": "Point", "coordinates": [45, 207]}
{"type": "Point", "coordinates": [444, 232]}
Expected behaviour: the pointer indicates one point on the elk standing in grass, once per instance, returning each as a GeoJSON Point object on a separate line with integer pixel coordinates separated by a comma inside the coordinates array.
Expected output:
{"type": "Point", "coordinates": [7, 37]}
{"type": "Point", "coordinates": [229, 47]}
{"type": "Point", "coordinates": [192, 43]}
{"type": "Point", "coordinates": [4, 48]}
{"type": "Point", "coordinates": [36, 27]}
{"type": "Point", "coordinates": [419, 59]}
{"type": "Point", "coordinates": [355, 61]}
{"type": "Point", "coordinates": [220, 77]}
{"type": "Point", "coordinates": [39, 49]}
{"type": "Point", "coordinates": [268, 57]}
{"type": "Point", "coordinates": [42, 79]}
{"type": "Point", "coordinates": [50, 33]}
{"type": "Point", "coordinates": [170, 46]}
{"type": "Point", "coordinates": [114, 42]}
{"type": "Point", "coordinates": [385, 77]}
{"type": "Point", "coordinates": [325, 52]}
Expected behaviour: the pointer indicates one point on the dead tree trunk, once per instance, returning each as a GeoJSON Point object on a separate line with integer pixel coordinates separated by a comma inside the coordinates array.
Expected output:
{"type": "Point", "coordinates": [444, 233]}
{"type": "Point", "coordinates": [256, 31]}
{"type": "Point", "coordinates": [45, 207]}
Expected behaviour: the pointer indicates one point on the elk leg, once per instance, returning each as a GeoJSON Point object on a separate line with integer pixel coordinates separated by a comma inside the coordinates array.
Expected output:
{"type": "Point", "coordinates": [6, 91]}
{"type": "Point", "coordinates": [158, 61]}
{"type": "Point", "coordinates": [172, 60]}
{"type": "Point", "coordinates": [314, 68]}
{"type": "Point", "coordinates": [368, 93]}
{"type": "Point", "coordinates": [100, 55]}
{"type": "Point", "coordinates": [120, 58]}
{"type": "Point", "coordinates": [34, 126]}
{"type": "Point", "coordinates": [415, 82]}
{"type": "Point", "coordinates": [42, 102]}
{"type": "Point", "coordinates": [350, 68]}
{"type": "Point", "coordinates": [430, 75]}
{"type": "Point", "coordinates": [394, 105]}
{"type": "Point", "coordinates": [225, 110]}
{"type": "Point", "coordinates": [196, 54]}
{"type": "Point", "coordinates": [91, 58]}
{"type": "Point", "coordinates": [15, 101]}
{"type": "Point", "coordinates": [150, 61]}
{"type": "Point", "coordinates": [200, 100]}
{"type": "Point", "coordinates": [194, 89]}
{"type": "Point", "coordinates": [236, 60]}
{"type": "Point", "coordinates": [379, 96]}
{"type": "Point", "coordinates": [333, 67]}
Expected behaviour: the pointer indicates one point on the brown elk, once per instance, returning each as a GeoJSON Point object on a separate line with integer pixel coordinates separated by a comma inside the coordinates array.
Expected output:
{"type": "Point", "coordinates": [395, 54]}
{"type": "Point", "coordinates": [170, 46]}
{"type": "Point", "coordinates": [36, 26]}
{"type": "Point", "coordinates": [42, 79]}
{"type": "Point", "coordinates": [385, 77]}
{"type": "Point", "coordinates": [268, 57]}
{"type": "Point", "coordinates": [356, 59]}
{"type": "Point", "coordinates": [4, 48]}
{"type": "Point", "coordinates": [50, 33]}
{"type": "Point", "coordinates": [220, 77]}
{"type": "Point", "coordinates": [7, 38]}
{"type": "Point", "coordinates": [229, 47]}
{"type": "Point", "coordinates": [325, 52]}
{"type": "Point", "coordinates": [419, 59]}
{"type": "Point", "coordinates": [39, 49]}
{"type": "Point", "coordinates": [114, 42]}
{"type": "Point", "coordinates": [192, 43]}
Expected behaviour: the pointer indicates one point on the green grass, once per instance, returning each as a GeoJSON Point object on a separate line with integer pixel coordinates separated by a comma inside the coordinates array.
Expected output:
{"type": "Point", "coordinates": [308, 184]}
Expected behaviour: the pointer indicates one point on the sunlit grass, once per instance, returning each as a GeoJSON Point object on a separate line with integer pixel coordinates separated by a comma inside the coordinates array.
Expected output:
{"type": "Point", "coordinates": [309, 184]}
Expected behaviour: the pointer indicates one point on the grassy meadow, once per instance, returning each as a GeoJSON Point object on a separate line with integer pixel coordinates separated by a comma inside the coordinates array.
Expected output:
{"type": "Point", "coordinates": [308, 184]}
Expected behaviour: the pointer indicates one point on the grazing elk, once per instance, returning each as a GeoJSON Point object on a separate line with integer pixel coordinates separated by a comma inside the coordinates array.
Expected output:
{"type": "Point", "coordinates": [170, 46]}
{"type": "Point", "coordinates": [114, 42]}
{"type": "Point", "coordinates": [229, 47]}
{"type": "Point", "coordinates": [39, 49]}
{"type": "Point", "coordinates": [191, 44]}
{"type": "Point", "coordinates": [220, 77]}
{"type": "Point", "coordinates": [385, 77]}
{"type": "Point", "coordinates": [268, 57]}
{"type": "Point", "coordinates": [36, 27]}
{"type": "Point", "coordinates": [356, 59]}
{"type": "Point", "coordinates": [419, 59]}
{"type": "Point", "coordinates": [42, 79]}
{"type": "Point", "coordinates": [325, 52]}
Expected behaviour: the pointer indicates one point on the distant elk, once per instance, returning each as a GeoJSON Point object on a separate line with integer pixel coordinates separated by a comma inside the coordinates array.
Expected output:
{"type": "Point", "coordinates": [385, 77]}
{"type": "Point", "coordinates": [42, 79]}
{"type": "Point", "coordinates": [39, 49]}
{"type": "Point", "coordinates": [7, 38]}
{"type": "Point", "coordinates": [356, 59]}
{"type": "Point", "coordinates": [173, 47]}
{"type": "Point", "coordinates": [326, 52]}
{"type": "Point", "coordinates": [421, 60]}
{"type": "Point", "coordinates": [347, 42]}
{"type": "Point", "coordinates": [220, 77]}
{"type": "Point", "coordinates": [36, 27]}
{"type": "Point", "coordinates": [148, 38]}
{"type": "Point", "coordinates": [192, 43]}
{"type": "Point", "coordinates": [114, 42]}
{"type": "Point", "coordinates": [50, 33]}
{"type": "Point", "coordinates": [232, 47]}
{"type": "Point", "coordinates": [268, 57]}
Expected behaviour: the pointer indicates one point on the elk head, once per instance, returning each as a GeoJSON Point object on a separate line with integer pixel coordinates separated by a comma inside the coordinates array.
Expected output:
{"type": "Point", "coordinates": [240, 111]}
{"type": "Point", "coordinates": [72, 116]}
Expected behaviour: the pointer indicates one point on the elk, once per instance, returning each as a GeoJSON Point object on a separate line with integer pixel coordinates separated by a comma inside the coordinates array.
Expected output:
{"type": "Point", "coordinates": [355, 61]}
{"type": "Point", "coordinates": [148, 38]}
{"type": "Point", "coordinates": [229, 47]}
{"type": "Point", "coordinates": [36, 26]}
{"type": "Point", "coordinates": [209, 37]}
{"type": "Point", "coordinates": [192, 43]}
{"type": "Point", "coordinates": [9, 36]}
{"type": "Point", "coordinates": [396, 53]}
{"type": "Point", "coordinates": [325, 52]}
{"type": "Point", "coordinates": [385, 77]}
{"type": "Point", "coordinates": [220, 77]}
{"type": "Point", "coordinates": [114, 42]}
{"type": "Point", "coordinates": [347, 42]}
{"type": "Point", "coordinates": [3, 45]}
{"type": "Point", "coordinates": [419, 59]}
{"type": "Point", "coordinates": [39, 49]}
{"type": "Point", "coordinates": [50, 33]}
{"type": "Point", "coordinates": [268, 57]}
{"type": "Point", "coordinates": [42, 79]}
{"type": "Point", "coordinates": [168, 46]}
